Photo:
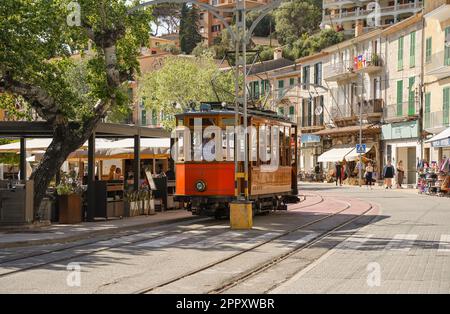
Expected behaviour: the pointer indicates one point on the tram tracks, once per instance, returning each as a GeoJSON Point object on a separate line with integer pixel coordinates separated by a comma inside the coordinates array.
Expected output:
{"type": "Point", "coordinates": [89, 248]}
{"type": "Point", "coordinates": [265, 265]}
{"type": "Point", "coordinates": [275, 261]}
{"type": "Point", "coordinates": [118, 236]}
{"type": "Point", "coordinates": [156, 235]}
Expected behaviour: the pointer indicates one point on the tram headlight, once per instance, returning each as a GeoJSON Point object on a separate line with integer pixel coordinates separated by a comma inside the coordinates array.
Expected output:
{"type": "Point", "coordinates": [200, 186]}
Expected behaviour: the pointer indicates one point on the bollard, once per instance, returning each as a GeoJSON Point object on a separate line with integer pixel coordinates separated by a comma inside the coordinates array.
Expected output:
{"type": "Point", "coordinates": [241, 215]}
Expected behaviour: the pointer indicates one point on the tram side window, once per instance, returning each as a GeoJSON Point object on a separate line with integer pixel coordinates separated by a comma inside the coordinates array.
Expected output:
{"type": "Point", "coordinates": [254, 145]}
{"type": "Point", "coordinates": [265, 144]}
{"type": "Point", "coordinates": [287, 136]}
{"type": "Point", "coordinates": [281, 147]}
{"type": "Point", "coordinates": [228, 138]}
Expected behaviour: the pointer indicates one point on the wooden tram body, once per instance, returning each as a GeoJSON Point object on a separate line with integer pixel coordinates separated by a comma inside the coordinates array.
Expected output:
{"type": "Point", "coordinates": [269, 190]}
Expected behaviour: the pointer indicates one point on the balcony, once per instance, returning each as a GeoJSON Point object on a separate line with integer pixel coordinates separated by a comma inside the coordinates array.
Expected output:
{"type": "Point", "coordinates": [372, 112]}
{"type": "Point", "coordinates": [435, 122]}
{"type": "Point", "coordinates": [231, 3]}
{"type": "Point", "coordinates": [358, 13]}
{"type": "Point", "coordinates": [401, 112]}
{"type": "Point", "coordinates": [338, 72]}
{"type": "Point", "coordinates": [436, 65]}
{"type": "Point", "coordinates": [309, 124]}
{"type": "Point", "coordinates": [370, 65]}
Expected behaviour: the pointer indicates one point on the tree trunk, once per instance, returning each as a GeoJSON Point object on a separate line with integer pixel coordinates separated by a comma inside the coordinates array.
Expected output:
{"type": "Point", "coordinates": [64, 142]}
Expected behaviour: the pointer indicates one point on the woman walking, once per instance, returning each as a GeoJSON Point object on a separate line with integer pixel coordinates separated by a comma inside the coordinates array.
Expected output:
{"type": "Point", "coordinates": [388, 174]}
{"type": "Point", "coordinates": [338, 173]}
{"type": "Point", "coordinates": [369, 175]}
{"type": "Point", "coordinates": [400, 174]}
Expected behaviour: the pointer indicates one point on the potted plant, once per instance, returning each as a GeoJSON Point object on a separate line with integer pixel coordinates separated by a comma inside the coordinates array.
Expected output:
{"type": "Point", "coordinates": [70, 201]}
{"type": "Point", "coordinates": [375, 59]}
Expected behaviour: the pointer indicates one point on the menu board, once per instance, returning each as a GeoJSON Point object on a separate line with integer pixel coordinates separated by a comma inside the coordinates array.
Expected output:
{"type": "Point", "coordinates": [151, 183]}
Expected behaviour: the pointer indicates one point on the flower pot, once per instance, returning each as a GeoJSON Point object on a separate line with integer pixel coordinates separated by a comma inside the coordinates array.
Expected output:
{"type": "Point", "coordinates": [70, 209]}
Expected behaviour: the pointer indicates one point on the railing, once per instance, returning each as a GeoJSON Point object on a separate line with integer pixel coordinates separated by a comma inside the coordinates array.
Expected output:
{"type": "Point", "coordinates": [384, 10]}
{"type": "Point", "coordinates": [370, 60]}
{"type": "Point", "coordinates": [312, 121]}
{"type": "Point", "coordinates": [337, 69]}
{"type": "Point", "coordinates": [369, 107]}
{"type": "Point", "coordinates": [436, 62]}
{"type": "Point", "coordinates": [402, 110]}
{"type": "Point", "coordinates": [436, 119]}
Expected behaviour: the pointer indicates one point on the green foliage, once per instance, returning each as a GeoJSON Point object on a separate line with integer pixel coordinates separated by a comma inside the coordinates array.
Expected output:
{"type": "Point", "coordinates": [265, 27]}
{"type": "Point", "coordinates": [307, 45]}
{"type": "Point", "coordinates": [15, 107]}
{"type": "Point", "coordinates": [36, 43]}
{"type": "Point", "coordinates": [183, 80]}
{"type": "Point", "coordinates": [69, 184]}
{"type": "Point", "coordinates": [189, 29]}
{"type": "Point", "coordinates": [295, 18]}
{"type": "Point", "coordinates": [172, 48]}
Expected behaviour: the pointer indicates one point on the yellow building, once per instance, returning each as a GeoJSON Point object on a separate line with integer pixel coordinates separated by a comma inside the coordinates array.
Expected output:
{"type": "Point", "coordinates": [436, 109]}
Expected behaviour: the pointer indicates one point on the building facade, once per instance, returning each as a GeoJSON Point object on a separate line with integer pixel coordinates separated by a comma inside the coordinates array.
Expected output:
{"type": "Point", "coordinates": [401, 131]}
{"type": "Point", "coordinates": [313, 114]}
{"type": "Point", "coordinates": [347, 16]}
{"type": "Point", "coordinates": [353, 77]}
{"type": "Point", "coordinates": [211, 27]}
{"type": "Point", "coordinates": [436, 71]}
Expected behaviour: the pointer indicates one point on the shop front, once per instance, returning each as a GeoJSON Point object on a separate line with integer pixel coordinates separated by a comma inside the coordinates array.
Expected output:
{"type": "Point", "coordinates": [311, 149]}
{"type": "Point", "coordinates": [434, 175]}
{"type": "Point", "coordinates": [402, 147]}
{"type": "Point", "coordinates": [340, 148]}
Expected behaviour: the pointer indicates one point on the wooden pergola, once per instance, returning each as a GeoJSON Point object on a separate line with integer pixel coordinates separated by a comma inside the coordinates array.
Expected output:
{"type": "Point", "coordinates": [41, 129]}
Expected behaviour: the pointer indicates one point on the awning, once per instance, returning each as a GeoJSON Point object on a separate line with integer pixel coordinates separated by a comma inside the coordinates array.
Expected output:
{"type": "Point", "coordinates": [335, 154]}
{"type": "Point", "coordinates": [350, 130]}
{"type": "Point", "coordinates": [353, 155]}
{"type": "Point", "coordinates": [440, 140]}
{"type": "Point", "coordinates": [152, 146]}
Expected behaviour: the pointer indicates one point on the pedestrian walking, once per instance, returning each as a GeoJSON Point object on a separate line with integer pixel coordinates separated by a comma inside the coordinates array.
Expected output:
{"type": "Point", "coordinates": [369, 176]}
{"type": "Point", "coordinates": [388, 174]}
{"type": "Point", "coordinates": [338, 173]}
{"type": "Point", "coordinates": [400, 174]}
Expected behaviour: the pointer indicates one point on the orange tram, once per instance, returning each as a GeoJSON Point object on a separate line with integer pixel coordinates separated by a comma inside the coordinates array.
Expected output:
{"type": "Point", "coordinates": [207, 187]}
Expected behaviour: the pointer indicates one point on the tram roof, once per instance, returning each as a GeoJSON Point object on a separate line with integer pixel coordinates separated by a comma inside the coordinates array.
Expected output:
{"type": "Point", "coordinates": [216, 108]}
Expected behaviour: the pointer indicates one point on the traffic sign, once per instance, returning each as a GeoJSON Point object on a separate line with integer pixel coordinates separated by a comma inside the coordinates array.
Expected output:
{"type": "Point", "coordinates": [361, 149]}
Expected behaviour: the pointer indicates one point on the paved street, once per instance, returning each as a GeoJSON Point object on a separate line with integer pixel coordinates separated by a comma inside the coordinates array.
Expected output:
{"type": "Point", "coordinates": [342, 239]}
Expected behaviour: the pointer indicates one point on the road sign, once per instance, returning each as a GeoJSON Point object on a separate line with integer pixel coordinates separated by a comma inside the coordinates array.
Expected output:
{"type": "Point", "coordinates": [361, 149]}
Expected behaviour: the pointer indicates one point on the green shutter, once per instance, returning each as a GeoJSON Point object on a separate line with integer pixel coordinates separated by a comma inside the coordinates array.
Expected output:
{"type": "Point", "coordinates": [428, 49]}
{"type": "Point", "coordinates": [291, 110]}
{"type": "Point", "coordinates": [400, 54]}
{"type": "Point", "coordinates": [446, 106]}
{"type": "Point", "coordinates": [411, 97]}
{"type": "Point", "coordinates": [447, 47]}
{"type": "Point", "coordinates": [291, 82]}
{"type": "Point", "coordinates": [256, 89]}
{"type": "Point", "coordinates": [280, 89]}
{"type": "Point", "coordinates": [427, 110]}
{"type": "Point", "coordinates": [400, 98]}
{"type": "Point", "coordinates": [412, 50]}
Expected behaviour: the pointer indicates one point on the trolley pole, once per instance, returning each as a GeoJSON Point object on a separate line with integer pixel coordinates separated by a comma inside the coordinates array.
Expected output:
{"type": "Point", "coordinates": [241, 211]}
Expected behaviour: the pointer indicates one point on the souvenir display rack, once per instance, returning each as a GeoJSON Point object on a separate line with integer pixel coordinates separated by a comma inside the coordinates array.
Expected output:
{"type": "Point", "coordinates": [434, 179]}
